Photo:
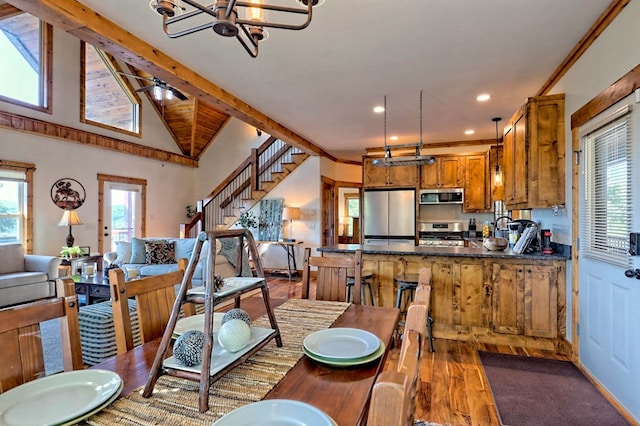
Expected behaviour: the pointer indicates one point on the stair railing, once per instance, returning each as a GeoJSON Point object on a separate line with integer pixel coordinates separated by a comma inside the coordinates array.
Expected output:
{"type": "Point", "coordinates": [236, 193]}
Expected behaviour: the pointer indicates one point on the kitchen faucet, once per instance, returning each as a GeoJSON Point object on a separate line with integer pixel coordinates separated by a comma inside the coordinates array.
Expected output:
{"type": "Point", "coordinates": [495, 225]}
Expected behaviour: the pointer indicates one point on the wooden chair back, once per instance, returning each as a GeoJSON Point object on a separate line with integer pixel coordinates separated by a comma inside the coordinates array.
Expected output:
{"type": "Point", "coordinates": [394, 392]}
{"type": "Point", "coordinates": [22, 356]}
{"type": "Point", "coordinates": [331, 279]}
{"type": "Point", "coordinates": [154, 295]}
{"type": "Point", "coordinates": [393, 399]}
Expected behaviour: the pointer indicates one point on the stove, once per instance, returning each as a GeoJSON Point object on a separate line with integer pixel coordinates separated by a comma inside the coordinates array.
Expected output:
{"type": "Point", "coordinates": [441, 234]}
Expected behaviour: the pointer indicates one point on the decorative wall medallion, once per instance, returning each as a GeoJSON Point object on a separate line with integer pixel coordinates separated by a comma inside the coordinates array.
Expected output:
{"type": "Point", "coordinates": [68, 194]}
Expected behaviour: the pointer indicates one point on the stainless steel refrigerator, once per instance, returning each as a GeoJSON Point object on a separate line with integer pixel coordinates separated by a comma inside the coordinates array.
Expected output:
{"type": "Point", "coordinates": [389, 216]}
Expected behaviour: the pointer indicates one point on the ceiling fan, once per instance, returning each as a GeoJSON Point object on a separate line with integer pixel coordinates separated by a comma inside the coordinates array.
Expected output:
{"type": "Point", "coordinates": [158, 86]}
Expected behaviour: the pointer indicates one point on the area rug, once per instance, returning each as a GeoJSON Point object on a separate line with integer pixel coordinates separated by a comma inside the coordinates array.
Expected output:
{"type": "Point", "coordinates": [538, 391]}
{"type": "Point", "coordinates": [51, 346]}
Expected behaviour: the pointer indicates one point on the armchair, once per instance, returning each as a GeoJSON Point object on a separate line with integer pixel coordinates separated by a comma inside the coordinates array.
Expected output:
{"type": "Point", "coordinates": [25, 277]}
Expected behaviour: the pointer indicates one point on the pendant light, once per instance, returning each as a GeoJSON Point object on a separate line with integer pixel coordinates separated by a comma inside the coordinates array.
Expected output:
{"type": "Point", "coordinates": [497, 177]}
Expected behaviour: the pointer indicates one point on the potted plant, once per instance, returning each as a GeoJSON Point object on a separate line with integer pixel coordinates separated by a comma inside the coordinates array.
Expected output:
{"type": "Point", "coordinates": [73, 251]}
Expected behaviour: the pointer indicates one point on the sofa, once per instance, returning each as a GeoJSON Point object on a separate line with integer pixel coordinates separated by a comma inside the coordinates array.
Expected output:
{"type": "Point", "coordinates": [153, 256]}
{"type": "Point", "coordinates": [25, 277]}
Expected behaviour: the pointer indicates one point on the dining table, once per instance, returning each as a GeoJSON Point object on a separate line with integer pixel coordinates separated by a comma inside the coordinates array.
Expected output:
{"type": "Point", "coordinates": [342, 392]}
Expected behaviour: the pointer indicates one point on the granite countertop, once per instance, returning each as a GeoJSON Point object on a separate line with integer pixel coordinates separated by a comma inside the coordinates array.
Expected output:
{"type": "Point", "coordinates": [475, 249]}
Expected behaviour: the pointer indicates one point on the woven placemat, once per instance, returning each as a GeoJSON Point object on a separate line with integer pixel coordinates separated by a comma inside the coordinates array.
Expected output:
{"type": "Point", "coordinates": [175, 401]}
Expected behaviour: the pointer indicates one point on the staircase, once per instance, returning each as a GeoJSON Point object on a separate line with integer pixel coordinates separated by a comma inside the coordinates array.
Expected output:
{"type": "Point", "coordinates": [250, 182]}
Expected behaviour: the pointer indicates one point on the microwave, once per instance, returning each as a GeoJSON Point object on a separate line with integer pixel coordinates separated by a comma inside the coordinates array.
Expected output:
{"type": "Point", "coordinates": [442, 196]}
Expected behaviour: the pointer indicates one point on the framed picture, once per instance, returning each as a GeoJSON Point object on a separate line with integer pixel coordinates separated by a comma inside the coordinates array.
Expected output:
{"type": "Point", "coordinates": [86, 250]}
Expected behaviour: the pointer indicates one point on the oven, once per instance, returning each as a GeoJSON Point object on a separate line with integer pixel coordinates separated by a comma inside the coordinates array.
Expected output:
{"type": "Point", "coordinates": [441, 234]}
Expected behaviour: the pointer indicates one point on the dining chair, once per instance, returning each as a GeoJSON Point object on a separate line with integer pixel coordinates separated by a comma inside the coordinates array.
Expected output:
{"type": "Point", "coordinates": [394, 392]}
{"type": "Point", "coordinates": [332, 275]}
{"type": "Point", "coordinates": [22, 354]}
{"type": "Point", "coordinates": [154, 295]}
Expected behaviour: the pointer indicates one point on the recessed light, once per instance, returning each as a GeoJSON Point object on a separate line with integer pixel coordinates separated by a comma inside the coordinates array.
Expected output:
{"type": "Point", "coordinates": [378, 109]}
{"type": "Point", "coordinates": [483, 97]}
{"type": "Point", "coordinates": [469, 132]}
{"type": "Point", "coordinates": [394, 138]}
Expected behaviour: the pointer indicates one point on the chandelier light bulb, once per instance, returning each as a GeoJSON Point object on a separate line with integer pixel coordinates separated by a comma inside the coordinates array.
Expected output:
{"type": "Point", "coordinates": [168, 95]}
{"type": "Point", "coordinates": [157, 93]}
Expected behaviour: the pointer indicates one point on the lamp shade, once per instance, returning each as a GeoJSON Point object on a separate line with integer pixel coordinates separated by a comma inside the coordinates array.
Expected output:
{"type": "Point", "coordinates": [70, 217]}
{"type": "Point", "coordinates": [290, 213]}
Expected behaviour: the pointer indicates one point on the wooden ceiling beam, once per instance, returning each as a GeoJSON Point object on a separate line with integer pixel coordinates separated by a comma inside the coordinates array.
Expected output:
{"type": "Point", "coordinates": [89, 26]}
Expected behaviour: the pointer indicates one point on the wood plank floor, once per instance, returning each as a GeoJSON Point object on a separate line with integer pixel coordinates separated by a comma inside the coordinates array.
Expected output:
{"type": "Point", "coordinates": [453, 389]}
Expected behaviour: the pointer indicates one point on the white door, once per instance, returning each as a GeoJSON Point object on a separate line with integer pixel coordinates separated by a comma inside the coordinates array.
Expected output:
{"type": "Point", "coordinates": [609, 302]}
{"type": "Point", "coordinates": [122, 213]}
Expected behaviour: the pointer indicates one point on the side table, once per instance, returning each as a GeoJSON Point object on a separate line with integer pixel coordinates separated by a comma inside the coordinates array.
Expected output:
{"type": "Point", "coordinates": [73, 266]}
{"type": "Point", "coordinates": [290, 249]}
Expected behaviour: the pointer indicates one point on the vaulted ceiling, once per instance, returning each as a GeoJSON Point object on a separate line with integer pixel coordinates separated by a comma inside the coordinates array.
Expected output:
{"type": "Point", "coordinates": [316, 88]}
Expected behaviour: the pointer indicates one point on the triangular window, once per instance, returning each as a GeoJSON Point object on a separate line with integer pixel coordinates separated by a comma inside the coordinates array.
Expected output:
{"type": "Point", "coordinates": [108, 100]}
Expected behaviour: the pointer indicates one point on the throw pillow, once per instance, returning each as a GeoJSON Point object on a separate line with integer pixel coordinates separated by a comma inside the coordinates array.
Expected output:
{"type": "Point", "coordinates": [123, 252]}
{"type": "Point", "coordinates": [137, 250]}
{"type": "Point", "coordinates": [159, 253]}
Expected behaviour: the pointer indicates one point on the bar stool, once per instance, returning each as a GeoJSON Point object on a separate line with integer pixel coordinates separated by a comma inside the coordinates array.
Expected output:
{"type": "Point", "coordinates": [409, 283]}
{"type": "Point", "coordinates": [366, 282]}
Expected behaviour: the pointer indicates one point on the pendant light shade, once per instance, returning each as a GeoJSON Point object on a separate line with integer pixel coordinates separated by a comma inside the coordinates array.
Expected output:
{"type": "Point", "coordinates": [497, 177]}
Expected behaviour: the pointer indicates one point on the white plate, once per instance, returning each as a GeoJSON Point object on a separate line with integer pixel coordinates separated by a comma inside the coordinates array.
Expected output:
{"type": "Point", "coordinates": [196, 322]}
{"type": "Point", "coordinates": [96, 410]}
{"type": "Point", "coordinates": [280, 412]}
{"type": "Point", "coordinates": [58, 398]}
{"type": "Point", "coordinates": [347, 362]}
{"type": "Point", "coordinates": [341, 343]}
{"type": "Point", "coordinates": [220, 357]}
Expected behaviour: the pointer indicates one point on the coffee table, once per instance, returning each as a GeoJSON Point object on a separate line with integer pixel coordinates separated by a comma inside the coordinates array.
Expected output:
{"type": "Point", "coordinates": [94, 288]}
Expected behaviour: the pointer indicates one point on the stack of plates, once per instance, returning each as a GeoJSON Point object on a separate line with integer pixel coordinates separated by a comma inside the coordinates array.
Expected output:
{"type": "Point", "coordinates": [343, 347]}
{"type": "Point", "coordinates": [60, 399]}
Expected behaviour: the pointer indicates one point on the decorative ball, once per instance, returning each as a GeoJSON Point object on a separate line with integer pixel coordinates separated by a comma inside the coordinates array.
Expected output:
{"type": "Point", "coordinates": [188, 348]}
{"type": "Point", "coordinates": [234, 335]}
{"type": "Point", "coordinates": [237, 313]}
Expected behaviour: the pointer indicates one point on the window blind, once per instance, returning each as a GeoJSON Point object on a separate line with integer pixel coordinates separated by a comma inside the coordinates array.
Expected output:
{"type": "Point", "coordinates": [606, 203]}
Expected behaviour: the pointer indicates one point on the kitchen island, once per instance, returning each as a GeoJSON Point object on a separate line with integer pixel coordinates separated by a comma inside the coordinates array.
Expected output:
{"type": "Point", "coordinates": [497, 297]}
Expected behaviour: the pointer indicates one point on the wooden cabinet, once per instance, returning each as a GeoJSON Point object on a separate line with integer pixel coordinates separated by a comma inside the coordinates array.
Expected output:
{"type": "Point", "coordinates": [446, 172]}
{"type": "Point", "coordinates": [374, 176]}
{"type": "Point", "coordinates": [534, 154]}
{"type": "Point", "coordinates": [476, 183]}
{"type": "Point", "coordinates": [525, 299]}
{"type": "Point", "coordinates": [503, 301]}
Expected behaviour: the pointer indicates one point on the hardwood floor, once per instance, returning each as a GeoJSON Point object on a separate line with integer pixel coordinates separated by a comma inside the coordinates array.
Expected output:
{"type": "Point", "coordinates": [453, 389]}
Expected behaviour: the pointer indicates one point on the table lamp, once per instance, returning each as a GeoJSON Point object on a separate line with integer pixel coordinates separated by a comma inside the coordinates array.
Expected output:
{"type": "Point", "coordinates": [69, 218]}
{"type": "Point", "coordinates": [290, 214]}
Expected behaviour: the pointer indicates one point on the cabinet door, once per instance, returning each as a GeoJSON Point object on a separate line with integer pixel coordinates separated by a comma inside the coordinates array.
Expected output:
{"type": "Point", "coordinates": [471, 299]}
{"type": "Point", "coordinates": [475, 179]}
{"type": "Point", "coordinates": [546, 152]}
{"type": "Point", "coordinates": [450, 172]}
{"type": "Point", "coordinates": [520, 161]}
{"type": "Point", "coordinates": [541, 301]}
{"type": "Point", "coordinates": [373, 175]}
{"type": "Point", "coordinates": [429, 176]}
{"type": "Point", "coordinates": [403, 175]}
{"type": "Point", "coordinates": [508, 298]}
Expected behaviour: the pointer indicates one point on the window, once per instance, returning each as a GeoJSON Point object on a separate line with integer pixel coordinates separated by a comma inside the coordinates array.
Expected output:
{"type": "Point", "coordinates": [605, 226]}
{"type": "Point", "coordinates": [25, 54]}
{"type": "Point", "coordinates": [16, 183]}
{"type": "Point", "coordinates": [107, 99]}
{"type": "Point", "coordinates": [351, 210]}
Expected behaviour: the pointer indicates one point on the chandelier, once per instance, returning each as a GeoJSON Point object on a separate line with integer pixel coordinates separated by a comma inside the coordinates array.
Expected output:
{"type": "Point", "coordinates": [229, 18]}
{"type": "Point", "coordinates": [413, 160]}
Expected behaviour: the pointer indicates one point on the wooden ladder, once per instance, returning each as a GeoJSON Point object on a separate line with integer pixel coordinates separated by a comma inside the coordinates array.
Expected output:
{"type": "Point", "coordinates": [210, 297]}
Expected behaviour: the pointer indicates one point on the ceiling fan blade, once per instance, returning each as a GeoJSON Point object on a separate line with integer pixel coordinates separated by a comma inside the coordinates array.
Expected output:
{"type": "Point", "coordinates": [136, 76]}
{"type": "Point", "coordinates": [145, 88]}
{"type": "Point", "coordinates": [178, 94]}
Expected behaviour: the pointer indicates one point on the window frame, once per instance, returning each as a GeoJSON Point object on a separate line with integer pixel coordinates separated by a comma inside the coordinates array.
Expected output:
{"type": "Point", "coordinates": [114, 68]}
{"type": "Point", "coordinates": [27, 228]}
{"type": "Point", "coordinates": [46, 67]}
